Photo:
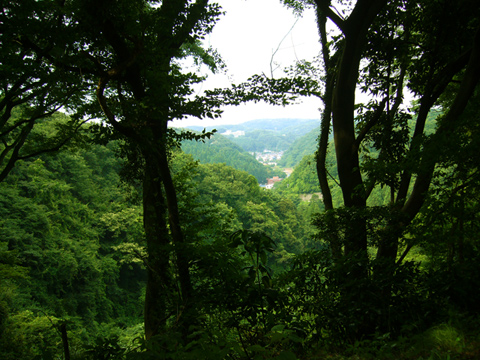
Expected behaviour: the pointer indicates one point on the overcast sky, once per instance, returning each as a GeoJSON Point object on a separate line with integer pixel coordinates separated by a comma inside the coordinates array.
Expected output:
{"type": "Point", "coordinates": [246, 37]}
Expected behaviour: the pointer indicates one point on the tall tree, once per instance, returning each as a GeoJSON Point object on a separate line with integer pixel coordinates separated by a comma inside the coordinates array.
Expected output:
{"type": "Point", "coordinates": [127, 54]}
{"type": "Point", "coordinates": [384, 47]}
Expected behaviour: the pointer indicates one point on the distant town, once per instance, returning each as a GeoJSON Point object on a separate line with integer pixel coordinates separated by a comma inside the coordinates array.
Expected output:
{"type": "Point", "coordinates": [234, 133]}
{"type": "Point", "coordinates": [268, 157]}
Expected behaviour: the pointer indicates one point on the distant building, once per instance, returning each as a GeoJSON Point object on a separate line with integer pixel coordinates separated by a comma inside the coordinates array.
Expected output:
{"type": "Point", "coordinates": [272, 181]}
{"type": "Point", "coordinates": [234, 133]}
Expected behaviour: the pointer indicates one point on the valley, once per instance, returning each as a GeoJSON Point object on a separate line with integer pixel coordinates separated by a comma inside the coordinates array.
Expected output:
{"type": "Point", "coordinates": [259, 142]}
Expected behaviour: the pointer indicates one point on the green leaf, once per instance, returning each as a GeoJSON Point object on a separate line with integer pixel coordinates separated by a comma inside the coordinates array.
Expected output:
{"type": "Point", "coordinates": [267, 282]}
{"type": "Point", "coordinates": [256, 348]}
{"type": "Point", "coordinates": [279, 327]}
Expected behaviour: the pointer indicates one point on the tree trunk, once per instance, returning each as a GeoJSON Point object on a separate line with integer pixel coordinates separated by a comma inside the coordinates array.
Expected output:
{"type": "Point", "coordinates": [160, 203]}
{"type": "Point", "coordinates": [340, 102]}
{"type": "Point", "coordinates": [187, 317]}
{"type": "Point", "coordinates": [321, 155]}
{"type": "Point", "coordinates": [66, 348]}
{"type": "Point", "coordinates": [159, 284]}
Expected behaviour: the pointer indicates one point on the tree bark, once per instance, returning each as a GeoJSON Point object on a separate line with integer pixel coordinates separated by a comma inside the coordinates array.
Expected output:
{"type": "Point", "coordinates": [180, 247]}
{"type": "Point", "coordinates": [468, 84]}
{"type": "Point", "coordinates": [159, 283]}
{"type": "Point", "coordinates": [321, 154]}
{"type": "Point", "coordinates": [66, 348]}
{"type": "Point", "coordinates": [346, 148]}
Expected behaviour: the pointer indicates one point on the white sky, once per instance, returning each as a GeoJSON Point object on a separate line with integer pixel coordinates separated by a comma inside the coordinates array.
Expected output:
{"type": "Point", "coordinates": [246, 37]}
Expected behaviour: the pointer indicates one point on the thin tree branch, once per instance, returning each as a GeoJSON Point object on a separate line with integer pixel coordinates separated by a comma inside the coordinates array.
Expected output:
{"type": "Point", "coordinates": [469, 82]}
{"type": "Point", "coordinates": [56, 147]}
{"type": "Point", "coordinates": [434, 216]}
{"type": "Point", "coordinates": [370, 123]}
{"type": "Point", "coordinates": [278, 48]}
{"type": "Point", "coordinates": [324, 5]}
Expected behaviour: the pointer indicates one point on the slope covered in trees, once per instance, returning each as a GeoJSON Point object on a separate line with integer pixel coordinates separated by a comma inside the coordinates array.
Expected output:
{"type": "Point", "coordinates": [260, 135]}
{"type": "Point", "coordinates": [73, 246]}
{"type": "Point", "coordinates": [260, 140]}
{"type": "Point", "coordinates": [73, 251]}
{"type": "Point", "coordinates": [220, 149]}
{"type": "Point", "coordinates": [62, 219]}
{"type": "Point", "coordinates": [301, 147]}
{"type": "Point", "coordinates": [104, 60]}
{"type": "Point", "coordinates": [303, 180]}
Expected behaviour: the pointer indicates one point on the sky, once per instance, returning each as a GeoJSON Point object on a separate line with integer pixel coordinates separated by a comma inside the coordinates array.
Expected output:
{"type": "Point", "coordinates": [246, 37]}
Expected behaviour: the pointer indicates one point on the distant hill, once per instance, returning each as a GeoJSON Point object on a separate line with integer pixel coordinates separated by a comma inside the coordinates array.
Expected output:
{"type": "Point", "coordinates": [303, 180]}
{"type": "Point", "coordinates": [265, 134]}
{"type": "Point", "coordinates": [260, 140]}
{"type": "Point", "coordinates": [305, 145]}
{"type": "Point", "coordinates": [219, 149]}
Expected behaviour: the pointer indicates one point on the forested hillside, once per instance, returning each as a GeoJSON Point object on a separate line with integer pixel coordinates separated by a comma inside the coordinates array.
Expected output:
{"type": "Point", "coordinates": [219, 149]}
{"type": "Point", "coordinates": [301, 147]}
{"type": "Point", "coordinates": [295, 127]}
{"type": "Point", "coordinates": [72, 244]}
{"type": "Point", "coordinates": [68, 235]}
{"type": "Point", "coordinates": [303, 180]}
{"type": "Point", "coordinates": [260, 140]}
{"type": "Point", "coordinates": [263, 134]}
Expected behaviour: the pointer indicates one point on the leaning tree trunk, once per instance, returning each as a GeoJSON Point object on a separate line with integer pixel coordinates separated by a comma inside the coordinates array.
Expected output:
{"type": "Point", "coordinates": [346, 147]}
{"type": "Point", "coordinates": [354, 263]}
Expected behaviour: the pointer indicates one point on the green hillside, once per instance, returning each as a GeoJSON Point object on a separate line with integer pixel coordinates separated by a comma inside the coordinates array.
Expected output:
{"type": "Point", "coordinates": [265, 134]}
{"type": "Point", "coordinates": [266, 124]}
{"type": "Point", "coordinates": [305, 145]}
{"type": "Point", "coordinates": [72, 246]}
{"type": "Point", "coordinates": [303, 180]}
{"type": "Point", "coordinates": [260, 140]}
{"type": "Point", "coordinates": [219, 149]}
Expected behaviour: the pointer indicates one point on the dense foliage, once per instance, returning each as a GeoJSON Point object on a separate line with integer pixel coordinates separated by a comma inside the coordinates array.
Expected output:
{"type": "Point", "coordinates": [62, 218]}
{"type": "Point", "coordinates": [388, 160]}
{"type": "Point", "coordinates": [303, 180]}
{"type": "Point", "coordinates": [73, 247]}
{"type": "Point", "coordinates": [260, 140]}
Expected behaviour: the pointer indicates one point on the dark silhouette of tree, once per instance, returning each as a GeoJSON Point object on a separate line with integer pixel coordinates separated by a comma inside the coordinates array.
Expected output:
{"type": "Point", "coordinates": [384, 48]}
{"type": "Point", "coordinates": [125, 55]}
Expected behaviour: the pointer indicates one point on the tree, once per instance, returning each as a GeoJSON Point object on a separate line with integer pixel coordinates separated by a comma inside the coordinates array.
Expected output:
{"type": "Point", "coordinates": [385, 47]}
{"type": "Point", "coordinates": [126, 55]}
{"type": "Point", "coordinates": [32, 92]}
